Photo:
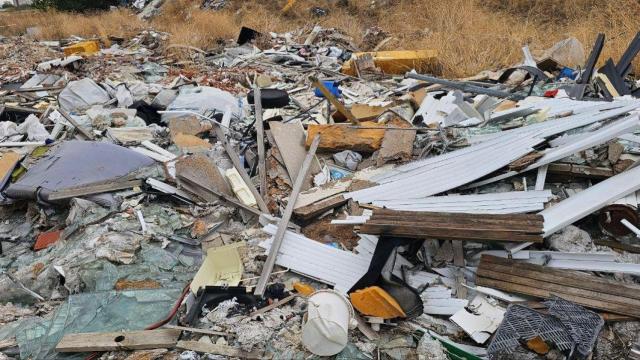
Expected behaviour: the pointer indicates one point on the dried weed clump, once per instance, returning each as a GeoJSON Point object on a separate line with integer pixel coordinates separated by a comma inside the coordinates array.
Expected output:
{"type": "Point", "coordinates": [469, 35]}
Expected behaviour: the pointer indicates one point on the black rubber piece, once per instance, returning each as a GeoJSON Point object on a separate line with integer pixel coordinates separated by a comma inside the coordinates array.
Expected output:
{"type": "Point", "coordinates": [271, 98]}
{"type": "Point", "coordinates": [211, 296]}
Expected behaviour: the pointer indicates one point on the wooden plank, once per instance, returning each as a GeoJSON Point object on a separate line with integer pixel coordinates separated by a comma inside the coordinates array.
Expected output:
{"type": "Point", "coordinates": [461, 215]}
{"type": "Point", "coordinates": [585, 281]}
{"type": "Point", "coordinates": [332, 99]}
{"type": "Point", "coordinates": [132, 340]}
{"type": "Point", "coordinates": [541, 307]}
{"type": "Point", "coordinates": [216, 349]}
{"type": "Point", "coordinates": [262, 167]}
{"type": "Point", "coordinates": [449, 234]}
{"type": "Point", "coordinates": [545, 294]}
{"type": "Point", "coordinates": [462, 224]}
{"type": "Point", "coordinates": [282, 224]}
{"type": "Point", "coordinates": [618, 245]}
{"type": "Point", "coordinates": [542, 283]}
{"type": "Point", "coordinates": [310, 211]}
{"type": "Point", "coordinates": [93, 189]}
{"type": "Point", "coordinates": [235, 159]}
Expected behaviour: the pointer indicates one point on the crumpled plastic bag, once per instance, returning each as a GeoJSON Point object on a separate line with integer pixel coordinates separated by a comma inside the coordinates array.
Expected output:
{"type": "Point", "coordinates": [34, 129]}
{"type": "Point", "coordinates": [349, 159]}
{"type": "Point", "coordinates": [9, 131]}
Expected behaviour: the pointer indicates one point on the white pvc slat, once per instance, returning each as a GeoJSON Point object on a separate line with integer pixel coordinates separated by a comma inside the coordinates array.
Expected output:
{"type": "Point", "coordinates": [329, 265]}
{"type": "Point", "coordinates": [590, 200]}
{"type": "Point", "coordinates": [496, 203]}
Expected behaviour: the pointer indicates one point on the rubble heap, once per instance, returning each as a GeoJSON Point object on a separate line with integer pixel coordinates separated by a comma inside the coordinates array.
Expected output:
{"type": "Point", "coordinates": [312, 199]}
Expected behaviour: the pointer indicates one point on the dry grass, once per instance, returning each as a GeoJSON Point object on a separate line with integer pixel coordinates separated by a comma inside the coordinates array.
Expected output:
{"type": "Point", "coordinates": [470, 35]}
{"type": "Point", "coordinates": [54, 25]}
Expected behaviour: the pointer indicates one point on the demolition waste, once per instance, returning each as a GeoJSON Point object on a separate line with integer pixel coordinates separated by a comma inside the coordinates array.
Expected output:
{"type": "Point", "coordinates": [289, 197]}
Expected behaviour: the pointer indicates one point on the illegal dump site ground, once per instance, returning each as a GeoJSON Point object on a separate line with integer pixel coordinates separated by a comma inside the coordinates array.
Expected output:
{"type": "Point", "coordinates": [346, 179]}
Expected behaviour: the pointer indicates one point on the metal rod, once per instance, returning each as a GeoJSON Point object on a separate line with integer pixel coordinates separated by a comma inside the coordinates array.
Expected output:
{"type": "Point", "coordinates": [464, 87]}
{"type": "Point", "coordinates": [282, 224]}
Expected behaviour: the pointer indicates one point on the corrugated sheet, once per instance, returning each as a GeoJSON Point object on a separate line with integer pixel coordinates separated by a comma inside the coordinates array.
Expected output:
{"type": "Point", "coordinates": [445, 172]}
{"type": "Point", "coordinates": [495, 203]}
{"type": "Point", "coordinates": [578, 143]}
{"type": "Point", "coordinates": [329, 265]}
{"type": "Point", "coordinates": [448, 171]}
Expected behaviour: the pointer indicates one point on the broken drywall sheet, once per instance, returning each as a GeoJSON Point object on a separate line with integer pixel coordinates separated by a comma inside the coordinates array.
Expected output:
{"type": "Point", "coordinates": [480, 319]}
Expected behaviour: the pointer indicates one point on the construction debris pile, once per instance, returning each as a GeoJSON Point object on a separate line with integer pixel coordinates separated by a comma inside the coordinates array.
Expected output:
{"type": "Point", "coordinates": [307, 199]}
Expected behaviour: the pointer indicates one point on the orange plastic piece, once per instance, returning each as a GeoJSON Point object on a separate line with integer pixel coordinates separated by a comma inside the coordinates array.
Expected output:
{"type": "Point", "coordinates": [304, 289]}
{"type": "Point", "coordinates": [374, 301]}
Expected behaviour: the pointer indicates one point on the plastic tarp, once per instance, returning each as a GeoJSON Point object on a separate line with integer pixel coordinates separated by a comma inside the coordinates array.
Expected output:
{"type": "Point", "coordinates": [94, 312]}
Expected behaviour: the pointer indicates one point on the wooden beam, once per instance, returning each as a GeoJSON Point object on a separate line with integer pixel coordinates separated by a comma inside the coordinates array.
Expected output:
{"type": "Point", "coordinates": [455, 226]}
{"type": "Point", "coordinates": [618, 245]}
{"type": "Point", "coordinates": [515, 225]}
{"type": "Point", "coordinates": [262, 167]}
{"type": "Point", "coordinates": [335, 102]}
{"type": "Point", "coordinates": [132, 340]}
{"type": "Point", "coordinates": [316, 209]}
{"type": "Point", "coordinates": [235, 159]}
{"type": "Point", "coordinates": [336, 137]}
{"type": "Point", "coordinates": [282, 225]}
{"type": "Point", "coordinates": [539, 281]}
{"type": "Point", "coordinates": [443, 233]}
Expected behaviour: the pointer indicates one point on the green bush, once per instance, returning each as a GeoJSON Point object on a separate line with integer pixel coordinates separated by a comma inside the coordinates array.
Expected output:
{"type": "Point", "coordinates": [75, 5]}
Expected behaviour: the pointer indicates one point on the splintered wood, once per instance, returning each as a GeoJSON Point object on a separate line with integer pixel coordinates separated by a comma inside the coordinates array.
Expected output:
{"type": "Point", "coordinates": [338, 137]}
{"type": "Point", "coordinates": [542, 282]}
{"type": "Point", "coordinates": [455, 226]}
